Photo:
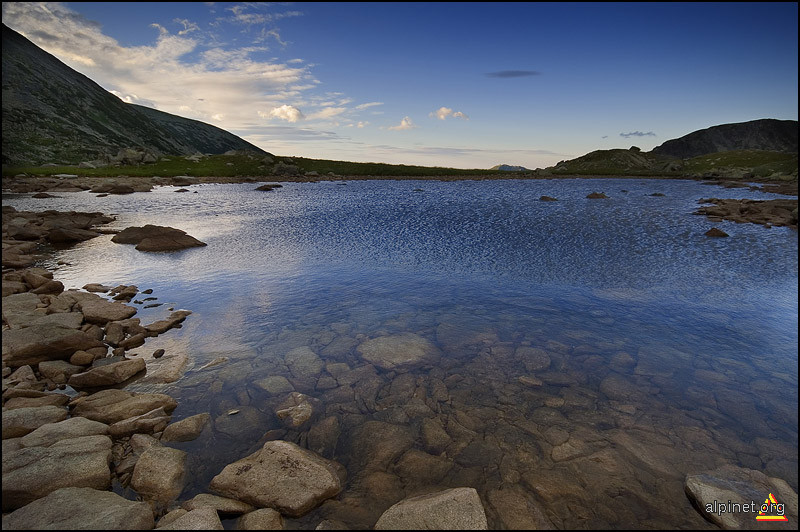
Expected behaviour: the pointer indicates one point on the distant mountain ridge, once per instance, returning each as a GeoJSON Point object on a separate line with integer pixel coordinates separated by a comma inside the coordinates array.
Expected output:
{"type": "Point", "coordinates": [766, 134]}
{"type": "Point", "coordinates": [51, 113]}
{"type": "Point", "coordinates": [508, 168]}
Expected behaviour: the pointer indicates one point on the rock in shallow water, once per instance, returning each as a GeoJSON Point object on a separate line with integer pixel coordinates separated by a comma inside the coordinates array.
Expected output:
{"type": "Point", "coordinates": [398, 352]}
{"type": "Point", "coordinates": [156, 238]}
{"type": "Point", "coordinates": [282, 476]}
{"type": "Point", "coordinates": [712, 490]}
{"type": "Point", "coordinates": [159, 474]}
{"type": "Point", "coordinates": [453, 509]}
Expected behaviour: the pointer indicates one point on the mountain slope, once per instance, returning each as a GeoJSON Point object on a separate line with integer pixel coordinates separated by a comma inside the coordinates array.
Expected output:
{"type": "Point", "coordinates": [766, 134]}
{"type": "Point", "coordinates": [51, 113]}
{"type": "Point", "coordinates": [508, 168]}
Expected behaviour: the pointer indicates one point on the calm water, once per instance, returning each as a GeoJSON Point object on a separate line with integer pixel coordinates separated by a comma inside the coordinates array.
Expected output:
{"type": "Point", "coordinates": [646, 350]}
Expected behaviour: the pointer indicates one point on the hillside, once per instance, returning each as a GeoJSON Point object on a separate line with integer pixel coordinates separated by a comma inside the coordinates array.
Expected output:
{"type": "Point", "coordinates": [617, 162]}
{"type": "Point", "coordinates": [509, 168]}
{"type": "Point", "coordinates": [758, 149]}
{"type": "Point", "coordinates": [763, 135]}
{"type": "Point", "coordinates": [53, 114]}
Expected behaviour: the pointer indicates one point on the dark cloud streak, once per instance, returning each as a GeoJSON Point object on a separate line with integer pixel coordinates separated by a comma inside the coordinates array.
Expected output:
{"type": "Point", "coordinates": [638, 134]}
{"type": "Point", "coordinates": [513, 74]}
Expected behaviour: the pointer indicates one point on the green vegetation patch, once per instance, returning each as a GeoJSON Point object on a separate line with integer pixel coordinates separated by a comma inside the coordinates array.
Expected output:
{"type": "Point", "coordinates": [345, 168]}
{"type": "Point", "coordinates": [760, 163]}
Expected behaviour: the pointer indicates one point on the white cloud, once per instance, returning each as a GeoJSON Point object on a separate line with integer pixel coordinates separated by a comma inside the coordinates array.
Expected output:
{"type": "Point", "coordinates": [367, 105]}
{"type": "Point", "coordinates": [405, 123]}
{"type": "Point", "coordinates": [170, 75]}
{"type": "Point", "coordinates": [327, 112]}
{"type": "Point", "coordinates": [361, 125]}
{"type": "Point", "coordinates": [188, 27]}
{"type": "Point", "coordinates": [284, 112]}
{"type": "Point", "coordinates": [443, 112]}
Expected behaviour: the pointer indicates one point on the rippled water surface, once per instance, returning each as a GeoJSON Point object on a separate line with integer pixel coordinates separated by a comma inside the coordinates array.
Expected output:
{"type": "Point", "coordinates": [589, 353]}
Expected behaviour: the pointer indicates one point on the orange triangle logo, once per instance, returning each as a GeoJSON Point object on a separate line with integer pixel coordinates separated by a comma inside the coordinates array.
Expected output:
{"type": "Point", "coordinates": [771, 510]}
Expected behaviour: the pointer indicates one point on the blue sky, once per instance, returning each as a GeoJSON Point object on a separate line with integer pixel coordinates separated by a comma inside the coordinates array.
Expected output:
{"type": "Point", "coordinates": [465, 85]}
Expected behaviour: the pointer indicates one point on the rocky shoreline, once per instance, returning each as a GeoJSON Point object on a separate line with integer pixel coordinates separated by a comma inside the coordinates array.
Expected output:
{"type": "Point", "coordinates": [70, 434]}
{"type": "Point", "coordinates": [72, 437]}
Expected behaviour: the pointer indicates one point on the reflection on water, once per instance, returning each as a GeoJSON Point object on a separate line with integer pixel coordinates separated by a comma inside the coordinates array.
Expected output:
{"type": "Point", "coordinates": [590, 353]}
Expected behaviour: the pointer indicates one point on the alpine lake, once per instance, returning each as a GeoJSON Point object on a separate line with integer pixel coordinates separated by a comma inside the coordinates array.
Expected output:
{"type": "Point", "coordinates": [580, 356]}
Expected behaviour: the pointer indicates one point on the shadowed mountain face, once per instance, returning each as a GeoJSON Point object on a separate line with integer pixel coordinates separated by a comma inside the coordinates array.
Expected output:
{"type": "Point", "coordinates": [51, 113]}
{"type": "Point", "coordinates": [766, 134]}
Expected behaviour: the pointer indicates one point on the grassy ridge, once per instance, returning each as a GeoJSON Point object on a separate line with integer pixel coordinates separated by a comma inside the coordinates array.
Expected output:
{"type": "Point", "coordinates": [619, 162]}
{"type": "Point", "coordinates": [245, 165]}
{"type": "Point", "coordinates": [760, 163]}
{"type": "Point", "coordinates": [345, 168]}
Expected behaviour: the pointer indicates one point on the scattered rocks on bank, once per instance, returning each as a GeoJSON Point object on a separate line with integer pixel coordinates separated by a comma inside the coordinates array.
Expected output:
{"type": "Point", "coordinates": [779, 212]}
{"type": "Point", "coordinates": [156, 238]}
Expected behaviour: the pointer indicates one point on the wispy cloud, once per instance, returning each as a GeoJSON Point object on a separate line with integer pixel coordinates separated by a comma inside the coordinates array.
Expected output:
{"type": "Point", "coordinates": [443, 112]}
{"type": "Point", "coordinates": [326, 113]}
{"type": "Point", "coordinates": [513, 73]}
{"type": "Point", "coordinates": [367, 105]}
{"type": "Point", "coordinates": [405, 123]}
{"type": "Point", "coordinates": [638, 134]}
{"type": "Point", "coordinates": [188, 26]}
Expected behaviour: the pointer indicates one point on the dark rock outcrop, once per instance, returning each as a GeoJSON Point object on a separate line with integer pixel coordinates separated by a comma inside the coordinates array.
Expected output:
{"type": "Point", "coordinates": [766, 134]}
{"type": "Point", "coordinates": [156, 238]}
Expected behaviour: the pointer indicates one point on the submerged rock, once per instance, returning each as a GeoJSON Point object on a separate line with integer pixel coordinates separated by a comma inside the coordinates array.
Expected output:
{"type": "Point", "coordinates": [186, 429]}
{"type": "Point", "coordinates": [398, 352]}
{"type": "Point", "coordinates": [452, 509]}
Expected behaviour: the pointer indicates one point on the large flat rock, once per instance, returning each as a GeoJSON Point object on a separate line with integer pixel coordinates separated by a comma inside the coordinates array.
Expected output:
{"type": "Point", "coordinates": [282, 476]}
{"type": "Point", "coordinates": [44, 341]}
{"type": "Point", "coordinates": [111, 406]}
{"type": "Point", "coordinates": [108, 374]}
{"type": "Point", "coordinates": [18, 422]}
{"type": "Point", "coordinates": [81, 509]}
{"type": "Point", "coordinates": [101, 311]}
{"type": "Point", "coordinates": [74, 427]}
{"type": "Point", "coordinates": [33, 472]}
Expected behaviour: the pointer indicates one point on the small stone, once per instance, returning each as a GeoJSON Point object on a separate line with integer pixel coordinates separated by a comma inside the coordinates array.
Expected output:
{"type": "Point", "coordinates": [716, 232]}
